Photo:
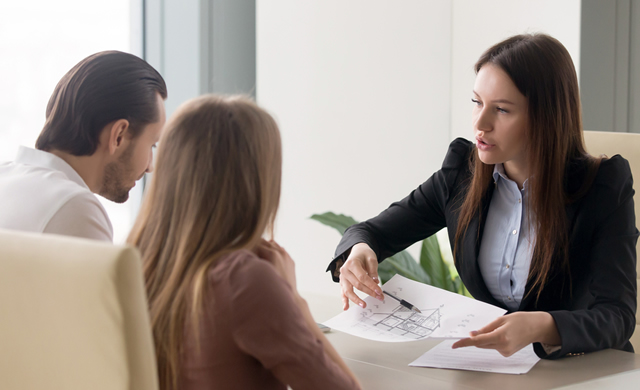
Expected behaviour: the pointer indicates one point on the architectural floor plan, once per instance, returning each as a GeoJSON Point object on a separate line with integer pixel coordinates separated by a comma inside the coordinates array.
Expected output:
{"type": "Point", "coordinates": [403, 322]}
{"type": "Point", "coordinates": [444, 314]}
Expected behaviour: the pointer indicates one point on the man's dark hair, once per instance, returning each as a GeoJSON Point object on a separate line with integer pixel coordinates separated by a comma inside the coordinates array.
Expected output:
{"type": "Point", "coordinates": [100, 89]}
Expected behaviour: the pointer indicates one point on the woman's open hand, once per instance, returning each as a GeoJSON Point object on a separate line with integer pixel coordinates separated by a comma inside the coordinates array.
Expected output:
{"type": "Point", "coordinates": [511, 333]}
{"type": "Point", "coordinates": [360, 271]}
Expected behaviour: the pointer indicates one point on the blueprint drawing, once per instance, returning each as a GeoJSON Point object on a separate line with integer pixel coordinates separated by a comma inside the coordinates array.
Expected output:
{"type": "Point", "coordinates": [444, 314]}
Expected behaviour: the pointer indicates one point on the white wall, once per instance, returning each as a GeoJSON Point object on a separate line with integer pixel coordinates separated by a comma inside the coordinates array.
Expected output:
{"type": "Point", "coordinates": [477, 25]}
{"type": "Point", "coordinates": [360, 90]}
{"type": "Point", "coordinates": [368, 94]}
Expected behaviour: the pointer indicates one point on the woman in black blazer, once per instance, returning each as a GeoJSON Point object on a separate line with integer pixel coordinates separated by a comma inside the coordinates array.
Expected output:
{"type": "Point", "coordinates": [578, 290]}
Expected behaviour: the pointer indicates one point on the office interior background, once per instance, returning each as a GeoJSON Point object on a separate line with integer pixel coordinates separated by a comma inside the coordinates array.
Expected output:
{"type": "Point", "coordinates": [361, 89]}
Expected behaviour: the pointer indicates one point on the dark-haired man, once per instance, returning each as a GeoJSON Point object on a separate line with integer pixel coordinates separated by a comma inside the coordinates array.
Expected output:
{"type": "Point", "coordinates": [102, 120]}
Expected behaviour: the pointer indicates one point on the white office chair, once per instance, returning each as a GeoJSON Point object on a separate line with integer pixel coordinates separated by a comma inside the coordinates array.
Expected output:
{"type": "Point", "coordinates": [73, 315]}
{"type": "Point", "coordinates": [628, 146]}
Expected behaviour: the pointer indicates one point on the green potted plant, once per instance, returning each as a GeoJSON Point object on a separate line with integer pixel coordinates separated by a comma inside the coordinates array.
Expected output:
{"type": "Point", "coordinates": [432, 269]}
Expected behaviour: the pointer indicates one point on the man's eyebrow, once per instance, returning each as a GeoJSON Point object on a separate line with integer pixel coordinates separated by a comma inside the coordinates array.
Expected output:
{"type": "Point", "coordinates": [504, 101]}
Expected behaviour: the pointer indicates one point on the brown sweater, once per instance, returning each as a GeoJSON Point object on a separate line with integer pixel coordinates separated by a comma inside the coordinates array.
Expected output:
{"type": "Point", "coordinates": [254, 336]}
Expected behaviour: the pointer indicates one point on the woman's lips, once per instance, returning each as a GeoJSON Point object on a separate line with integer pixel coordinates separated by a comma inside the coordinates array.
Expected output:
{"type": "Point", "coordinates": [482, 145]}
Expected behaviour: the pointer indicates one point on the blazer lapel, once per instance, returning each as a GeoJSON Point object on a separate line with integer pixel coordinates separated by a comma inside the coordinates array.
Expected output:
{"type": "Point", "coordinates": [528, 301]}
{"type": "Point", "coordinates": [527, 298]}
{"type": "Point", "coordinates": [471, 245]}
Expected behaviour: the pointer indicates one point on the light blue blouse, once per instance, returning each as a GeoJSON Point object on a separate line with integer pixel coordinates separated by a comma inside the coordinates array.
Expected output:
{"type": "Point", "coordinates": [507, 241]}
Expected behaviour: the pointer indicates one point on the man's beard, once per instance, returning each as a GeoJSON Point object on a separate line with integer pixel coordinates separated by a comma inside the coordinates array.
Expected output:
{"type": "Point", "coordinates": [115, 173]}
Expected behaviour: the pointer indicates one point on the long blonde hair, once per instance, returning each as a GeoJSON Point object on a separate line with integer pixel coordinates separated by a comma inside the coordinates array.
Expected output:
{"type": "Point", "coordinates": [216, 190]}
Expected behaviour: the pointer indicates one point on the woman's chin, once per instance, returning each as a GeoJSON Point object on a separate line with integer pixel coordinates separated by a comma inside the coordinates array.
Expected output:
{"type": "Point", "coordinates": [487, 158]}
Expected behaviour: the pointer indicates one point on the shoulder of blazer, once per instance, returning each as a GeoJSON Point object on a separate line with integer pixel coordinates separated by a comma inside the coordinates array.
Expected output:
{"type": "Point", "coordinates": [455, 171]}
{"type": "Point", "coordinates": [458, 154]}
{"type": "Point", "coordinates": [613, 184]}
{"type": "Point", "coordinates": [613, 172]}
{"type": "Point", "coordinates": [611, 187]}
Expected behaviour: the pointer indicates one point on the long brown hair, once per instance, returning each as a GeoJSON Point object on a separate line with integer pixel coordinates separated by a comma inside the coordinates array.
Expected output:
{"type": "Point", "coordinates": [216, 189]}
{"type": "Point", "coordinates": [542, 70]}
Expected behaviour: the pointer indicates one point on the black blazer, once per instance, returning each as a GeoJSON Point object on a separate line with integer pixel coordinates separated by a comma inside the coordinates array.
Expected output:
{"type": "Point", "coordinates": [593, 305]}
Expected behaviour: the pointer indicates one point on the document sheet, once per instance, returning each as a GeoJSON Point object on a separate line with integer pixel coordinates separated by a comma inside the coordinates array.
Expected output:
{"type": "Point", "coordinates": [444, 314]}
{"type": "Point", "coordinates": [476, 359]}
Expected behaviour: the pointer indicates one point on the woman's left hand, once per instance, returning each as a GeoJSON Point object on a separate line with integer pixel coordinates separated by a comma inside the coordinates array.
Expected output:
{"type": "Point", "coordinates": [511, 333]}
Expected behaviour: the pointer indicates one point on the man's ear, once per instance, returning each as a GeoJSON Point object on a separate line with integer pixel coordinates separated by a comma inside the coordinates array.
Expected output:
{"type": "Point", "coordinates": [117, 134]}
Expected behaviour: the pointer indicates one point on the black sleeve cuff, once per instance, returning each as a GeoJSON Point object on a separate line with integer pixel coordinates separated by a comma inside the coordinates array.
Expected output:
{"type": "Point", "coordinates": [336, 264]}
{"type": "Point", "coordinates": [542, 353]}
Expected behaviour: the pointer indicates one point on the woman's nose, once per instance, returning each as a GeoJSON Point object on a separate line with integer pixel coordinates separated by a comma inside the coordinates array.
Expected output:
{"type": "Point", "coordinates": [483, 121]}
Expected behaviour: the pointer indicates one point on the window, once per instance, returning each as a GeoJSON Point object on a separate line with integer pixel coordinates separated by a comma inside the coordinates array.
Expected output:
{"type": "Point", "coordinates": [40, 40]}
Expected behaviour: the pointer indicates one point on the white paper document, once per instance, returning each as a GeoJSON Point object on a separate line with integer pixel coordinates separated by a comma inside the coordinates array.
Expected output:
{"type": "Point", "coordinates": [477, 359]}
{"type": "Point", "coordinates": [444, 314]}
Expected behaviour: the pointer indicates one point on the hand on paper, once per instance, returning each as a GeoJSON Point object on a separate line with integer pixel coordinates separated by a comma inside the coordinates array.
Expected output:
{"type": "Point", "coordinates": [276, 255]}
{"type": "Point", "coordinates": [360, 271]}
{"type": "Point", "coordinates": [511, 333]}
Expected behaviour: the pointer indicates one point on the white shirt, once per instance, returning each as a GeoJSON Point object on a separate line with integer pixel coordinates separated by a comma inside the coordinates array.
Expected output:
{"type": "Point", "coordinates": [40, 192]}
{"type": "Point", "coordinates": [507, 241]}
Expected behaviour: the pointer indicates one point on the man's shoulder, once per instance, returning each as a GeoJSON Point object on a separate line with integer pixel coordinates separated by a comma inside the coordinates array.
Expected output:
{"type": "Point", "coordinates": [38, 182]}
{"type": "Point", "coordinates": [82, 215]}
{"type": "Point", "coordinates": [33, 195]}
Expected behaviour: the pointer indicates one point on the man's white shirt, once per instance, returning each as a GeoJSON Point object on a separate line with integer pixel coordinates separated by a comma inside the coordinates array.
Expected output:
{"type": "Point", "coordinates": [40, 192]}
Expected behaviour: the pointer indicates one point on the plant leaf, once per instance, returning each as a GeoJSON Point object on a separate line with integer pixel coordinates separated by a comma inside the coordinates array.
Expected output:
{"type": "Point", "coordinates": [404, 264]}
{"type": "Point", "coordinates": [432, 269]}
{"type": "Point", "coordinates": [340, 222]}
{"type": "Point", "coordinates": [432, 262]}
{"type": "Point", "coordinates": [386, 271]}
{"type": "Point", "coordinates": [457, 282]}
{"type": "Point", "coordinates": [460, 288]}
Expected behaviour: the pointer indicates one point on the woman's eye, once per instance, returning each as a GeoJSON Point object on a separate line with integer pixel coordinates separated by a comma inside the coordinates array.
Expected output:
{"type": "Point", "coordinates": [476, 102]}
{"type": "Point", "coordinates": [502, 110]}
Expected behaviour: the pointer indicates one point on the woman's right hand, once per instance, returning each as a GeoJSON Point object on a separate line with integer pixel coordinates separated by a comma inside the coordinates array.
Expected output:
{"type": "Point", "coordinates": [360, 271]}
{"type": "Point", "coordinates": [276, 255]}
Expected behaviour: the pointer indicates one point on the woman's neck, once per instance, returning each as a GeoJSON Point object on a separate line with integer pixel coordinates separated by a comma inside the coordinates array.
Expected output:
{"type": "Point", "coordinates": [516, 172]}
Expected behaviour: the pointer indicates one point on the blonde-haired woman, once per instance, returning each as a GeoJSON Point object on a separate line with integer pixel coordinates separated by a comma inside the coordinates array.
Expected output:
{"type": "Point", "coordinates": [224, 307]}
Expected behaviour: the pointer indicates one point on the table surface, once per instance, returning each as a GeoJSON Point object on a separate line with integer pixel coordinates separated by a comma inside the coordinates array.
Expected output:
{"type": "Point", "coordinates": [380, 365]}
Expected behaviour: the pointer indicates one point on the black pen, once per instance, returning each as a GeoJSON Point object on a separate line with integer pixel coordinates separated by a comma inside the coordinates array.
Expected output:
{"type": "Point", "coordinates": [404, 303]}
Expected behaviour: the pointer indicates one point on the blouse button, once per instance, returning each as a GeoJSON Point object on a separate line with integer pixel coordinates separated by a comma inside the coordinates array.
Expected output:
{"type": "Point", "coordinates": [514, 231]}
{"type": "Point", "coordinates": [507, 266]}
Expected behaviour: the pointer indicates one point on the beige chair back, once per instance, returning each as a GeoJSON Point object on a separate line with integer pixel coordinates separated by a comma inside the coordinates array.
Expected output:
{"type": "Point", "coordinates": [74, 315]}
{"type": "Point", "coordinates": [628, 146]}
